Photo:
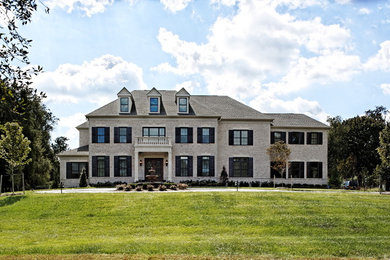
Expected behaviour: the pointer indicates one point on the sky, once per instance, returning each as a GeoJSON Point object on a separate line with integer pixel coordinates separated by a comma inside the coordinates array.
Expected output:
{"type": "Point", "coordinates": [322, 58]}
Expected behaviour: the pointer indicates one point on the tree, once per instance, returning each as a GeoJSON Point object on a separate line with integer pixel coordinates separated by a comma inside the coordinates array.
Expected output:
{"type": "Point", "coordinates": [60, 145]}
{"type": "Point", "coordinates": [83, 178]}
{"type": "Point", "coordinates": [279, 154]}
{"type": "Point", "coordinates": [14, 148]}
{"type": "Point", "coordinates": [383, 170]}
{"type": "Point", "coordinates": [224, 176]}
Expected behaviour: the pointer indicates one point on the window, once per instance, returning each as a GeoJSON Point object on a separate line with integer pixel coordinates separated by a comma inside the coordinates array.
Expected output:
{"type": "Point", "coordinates": [100, 166]}
{"type": "Point", "coordinates": [183, 166]}
{"type": "Point", "coordinates": [73, 169]}
{"type": "Point", "coordinates": [205, 166]}
{"type": "Point", "coordinates": [314, 170]}
{"type": "Point", "coordinates": [184, 135]}
{"type": "Point", "coordinates": [275, 173]}
{"type": "Point", "coordinates": [240, 137]}
{"type": "Point", "coordinates": [296, 170]}
{"type": "Point", "coordinates": [314, 138]}
{"type": "Point", "coordinates": [122, 135]}
{"type": "Point", "coordinates": [122, 166]}
{"type": "Point", "coordinates": [183, 105]}
{"type": "Point", "coordinates": [153, 131]}
{"type": "Point", "coordinates": [124, 107]}
{"type": "Point", "coordinates": [154, 105]}
{"type": "Point", "coordinates": [296, 138]}
{"type": "Point", "coordinates": [241, 167]}
{"type": "Point", "coordinates": [277, 137]}
{"type": "Point", "coordinates": [206, 135]}
{"type": "Point", "coordinates": [100, 134]}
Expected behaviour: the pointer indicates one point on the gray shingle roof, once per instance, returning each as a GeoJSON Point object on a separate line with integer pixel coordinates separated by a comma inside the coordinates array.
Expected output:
{"type": "Point", "coordinates": [203, 106]}
{"type": "Point", "coordinates": [295, 120]}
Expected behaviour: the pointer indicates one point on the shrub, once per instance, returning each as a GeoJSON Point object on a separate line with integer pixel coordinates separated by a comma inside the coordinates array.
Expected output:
{"type": "Point", "coordinates": [83, 178]}
{"type": "Point", "coordinates": [182, 186]}
{"type": "Point", "coordinates": [128, 187]}
{"type": "Point", "coordinates": [120, 187]}
{"type": "Point", "coordinates": [149, 187]}
{"type": "Point", "coordinates": [138, 188]}
{"type": "Point", "coordinates": [173, 187]}
{"type": "Point", "coordinates": [162, 187]}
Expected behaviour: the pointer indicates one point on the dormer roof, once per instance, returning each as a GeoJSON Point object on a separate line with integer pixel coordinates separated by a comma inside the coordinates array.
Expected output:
{"type": "Point", "coordinates": [182, 93]}
{"type": "Point", "coordinates": [124, 93]}
{"type": "Point", "coordinates": [153, 93]}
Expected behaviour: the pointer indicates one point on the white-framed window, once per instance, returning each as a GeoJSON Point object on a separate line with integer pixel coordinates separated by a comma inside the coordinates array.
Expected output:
{"type": "Point", "coordinates": [183, 105]}
{"type": "Point", "coordinates": [154, 105]}
{"type": "Point", "coordinates": [124, 105]}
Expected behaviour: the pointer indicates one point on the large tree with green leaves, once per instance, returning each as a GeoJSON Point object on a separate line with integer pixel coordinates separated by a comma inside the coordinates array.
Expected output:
{"type": "Point", "coordinates": [14, 148]}
{"type": "Point", "coordinates": [383, 170]}
{"type": "Point", "coordinates": [352, 146]}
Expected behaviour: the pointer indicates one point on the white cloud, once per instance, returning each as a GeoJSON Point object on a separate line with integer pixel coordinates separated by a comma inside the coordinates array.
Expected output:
{"type": "Point", "coordinates": [90, 7]}
{"type": "Point", "coordinates": [67, 127]}
{"type": "Point", "coordinates": [175, 5]}
{"type": "Point", "coordinates": [224, 2]}
{"type": "Point", "coordinates": [385, 88]}
{"type": "Point", "coordinates": [93, 81]}
{"type": "Point", "coordinates": [259, 49]}
{"type": "Point", "coordinates": [381, 61]}
{"type": "Point", "coordinates": [364, 11]}
{"type": "Point", "coordinates": [188, 85]}
{"type": "Point", "coordinates": [343, 2]}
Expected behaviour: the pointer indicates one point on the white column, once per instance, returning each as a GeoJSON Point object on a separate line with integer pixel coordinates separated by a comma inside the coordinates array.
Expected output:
{"type": "Point", "coordinates": [170, 166]}
{"type": "Point", "coordinates": [136, 162]}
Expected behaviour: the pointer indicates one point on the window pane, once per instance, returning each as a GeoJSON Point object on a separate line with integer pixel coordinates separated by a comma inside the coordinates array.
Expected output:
{"type": "Point", "coordinates": [153, 131]}
{"type": "Point", "coordinates": [183, 131]}
{"type": "Point", "coordinates": [101, 131]}
{"type": "Point", "coordinates": [122, 134]}
{"type": "Point", "coordinates": [100, 166]}
{"type": "Point", "coordinates": [182, 101]}
{"type": "Point", "coordinates": [145, 131]}
{"type": "Point", "coordinates": [122, 166]}
{"type": "Point", "coordinates": [205, 166]}
{"type": "Point", "coordinates": [154, 101]}
{"type": "Point", "coordinates": [161, 131]}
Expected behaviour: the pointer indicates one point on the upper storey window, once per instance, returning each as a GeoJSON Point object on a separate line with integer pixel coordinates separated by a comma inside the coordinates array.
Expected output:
{"type": "Point", "coordinates": [154, 105]}
{"type": "Point", "coordinates": [124, 108]}
{"type": "Point", "coordinates": [183, 105]}
{"type": "Point", "coordinates": [296, 138]}
{"type": "Point", "coordinates": [240, 137]}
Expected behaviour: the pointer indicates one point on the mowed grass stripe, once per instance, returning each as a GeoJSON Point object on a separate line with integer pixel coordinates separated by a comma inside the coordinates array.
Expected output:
{"type": "Point", "coordinates": [228, 223]}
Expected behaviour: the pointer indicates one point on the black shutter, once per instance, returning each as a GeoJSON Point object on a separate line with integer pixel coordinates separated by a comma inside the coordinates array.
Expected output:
{"type": "Point", "coordinates": [302, 135]}
{"type": "Point", "coordinates": [250, 137]}
{"type": "Point", "coordinates": [190, 135]}
{"type": "Point", "coordinates": [94, 166]}
{"type": "Point", "coordinates": [177, 135]}
{"type": "Point", "coordinates": [231, 166]}
{"type": "Point", "coordinates": [190, 166]}
{"type": "Point", "coordinates": [212, 135]}
{"type": "Point", "coordinates": [129, 164]}
{"type": "Point", "coordinates": [320, 169]}
{"type": "Point", "coordinates": [319, 138]}
{"type": "Point", "coordinates": [177, 166]}
{"type": "Point", "coordinates": [116, 166]}
{"type": "Point", "coordinates": [129, 134]}
{"type": "Point", "coordinates": [199, 164]}
{"type": "Point", "coordinates": [308, 138]}
{"type": "Point", "coordinates": [200, 139]}
{"type": "Point", "coordinates": [107, 166]}
{"type": "Point", "coordinates": [290, 134]}
{"type": "Point", "coordinates": [272, 137]}
{"type": "Point", "coordinates": [284, 137]}
{"type": "Point", "coordinates": [250, 167]}
{"type": "Point", "coordinates": [116, 134]}
{"type": "Point", "coordinates": [107, 135]}
{"type": "Point", "coordinates": [94, 134]}
{"type": "Point", "coordinates": [212, 166]}
{"type": "Point", "coordinates": [230, 137]}
{"type": "Point", "coordinates": [68, 170]}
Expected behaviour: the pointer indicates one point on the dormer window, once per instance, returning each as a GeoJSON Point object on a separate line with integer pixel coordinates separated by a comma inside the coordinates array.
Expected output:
{"type": "Point", "coordinates": [154, 105]}
{"type": "Point", "coordinates": [124, 108]}
{"type": "Point", "coordinates": [183, 105]}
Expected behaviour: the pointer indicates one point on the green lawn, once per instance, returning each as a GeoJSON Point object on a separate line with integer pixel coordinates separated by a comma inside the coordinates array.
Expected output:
{"type": "Point", "coordinates": [197, 224]}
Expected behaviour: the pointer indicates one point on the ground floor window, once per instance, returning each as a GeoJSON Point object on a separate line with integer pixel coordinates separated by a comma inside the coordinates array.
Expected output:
{"type": "Point", "coordinates": [296, 170]}
{"type": "Point", "coordinates": [184, 166]}
{"type": "Point", "coordinates": [275, 172]}
{"type": "Point", "coordinates": [206, 166]}
{"type": "Point", "coordinates": [74, 169]}
{"type": "Point", "coordinates": [122, 166]}
{"type": "Point", "coordinates": [314, 170]}
{"type": "Point", "coordinates": [241, 167]}
{"type": "Point", "coordinates": [100, 166]}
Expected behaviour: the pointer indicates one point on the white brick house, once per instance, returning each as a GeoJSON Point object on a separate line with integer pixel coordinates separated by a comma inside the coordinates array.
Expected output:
{"type": "Point", "coordinates": [176, 136]}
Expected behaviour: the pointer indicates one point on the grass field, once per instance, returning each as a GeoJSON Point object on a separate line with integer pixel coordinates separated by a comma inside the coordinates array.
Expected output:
{"type": "Point", "coordinates": [197, 224]}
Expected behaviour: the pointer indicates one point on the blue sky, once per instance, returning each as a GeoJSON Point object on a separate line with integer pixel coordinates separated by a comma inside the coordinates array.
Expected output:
{"type": "Point", "coordinates": [322, 58]}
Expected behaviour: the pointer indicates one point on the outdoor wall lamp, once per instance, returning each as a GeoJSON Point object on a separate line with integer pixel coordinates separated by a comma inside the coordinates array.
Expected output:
{"type": "Point", "coordinates": [140, 162]}
{"type": "Point", "coordinates": [166, 162]}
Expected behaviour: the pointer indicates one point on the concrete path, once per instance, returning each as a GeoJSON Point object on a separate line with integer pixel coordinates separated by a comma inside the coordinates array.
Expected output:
{"type": "Point", "coordinates": [113, 190]}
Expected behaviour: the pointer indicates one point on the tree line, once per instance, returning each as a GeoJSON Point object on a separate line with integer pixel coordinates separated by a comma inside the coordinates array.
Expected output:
{"type": "Point", "coordinates": [21, 103]}
{"type": "Point", "coordinates": [359, 149]}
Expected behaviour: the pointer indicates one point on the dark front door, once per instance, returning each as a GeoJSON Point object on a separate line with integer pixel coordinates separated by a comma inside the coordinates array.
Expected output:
{"type": "Point", "coordinates": [154, 166]}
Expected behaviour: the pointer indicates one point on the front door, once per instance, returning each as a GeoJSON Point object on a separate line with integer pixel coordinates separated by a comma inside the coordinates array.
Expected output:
{"type": "Point", "coordinates": [154, 166]}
